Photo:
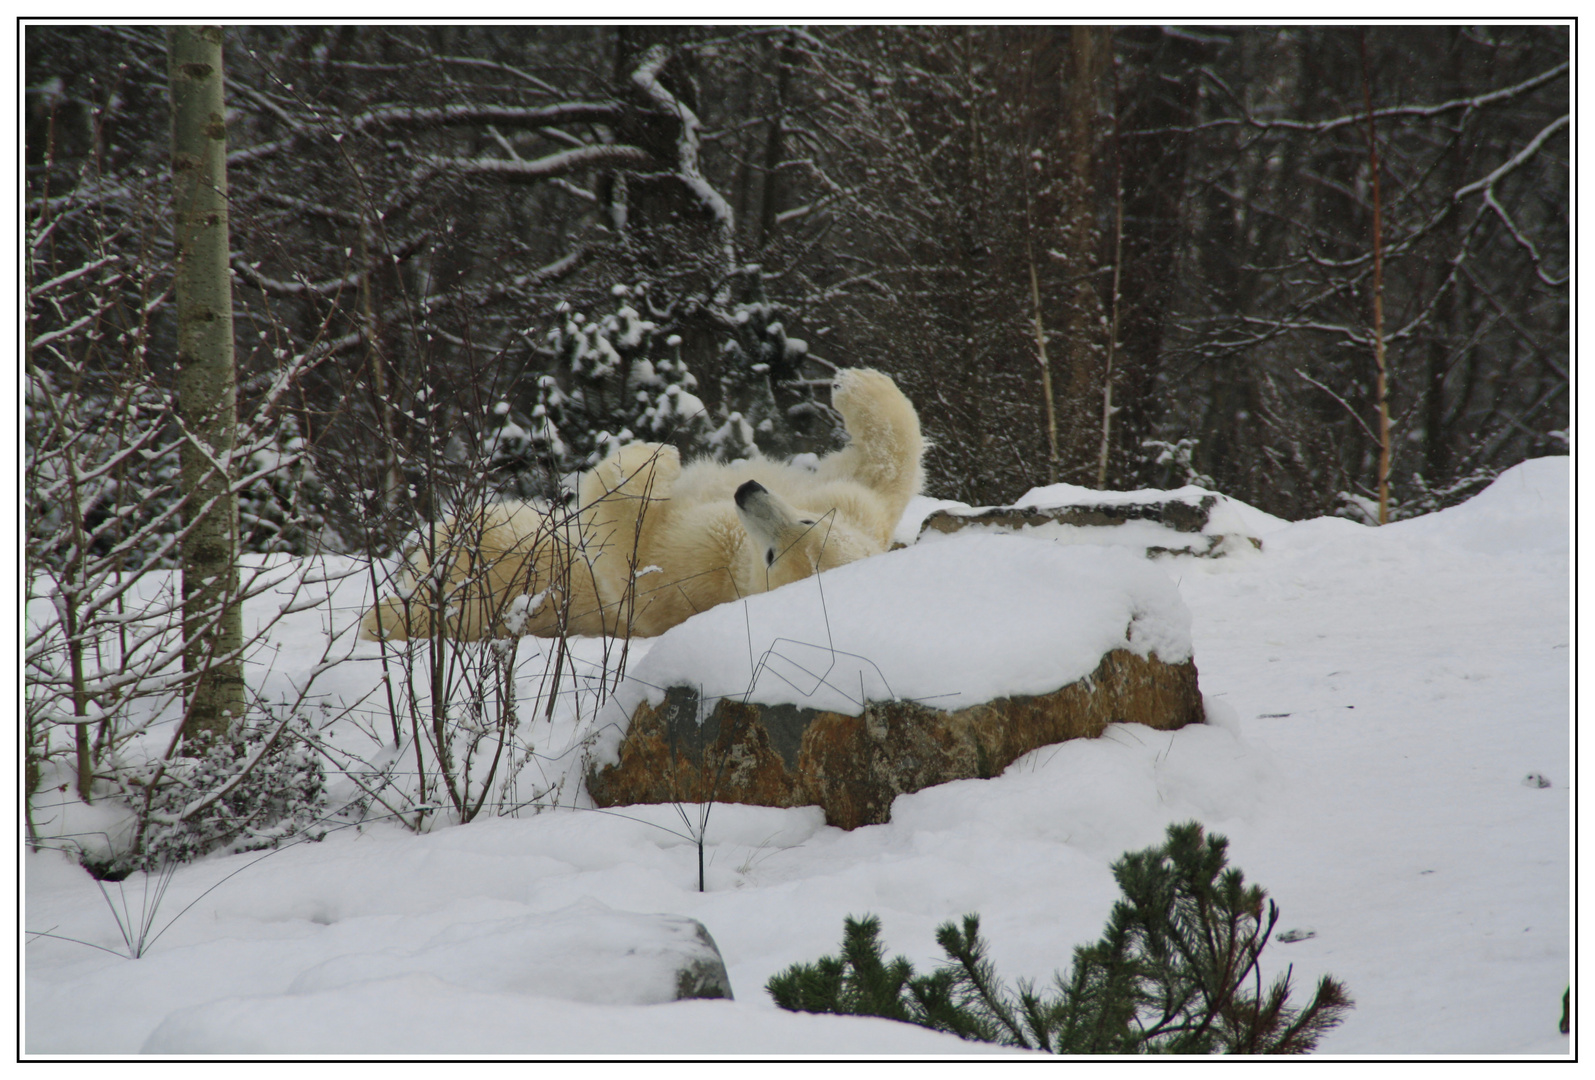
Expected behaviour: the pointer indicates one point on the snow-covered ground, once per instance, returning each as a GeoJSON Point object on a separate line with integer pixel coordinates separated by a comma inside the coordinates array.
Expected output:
{"type": "Point", "coordinates": [1378, 699]}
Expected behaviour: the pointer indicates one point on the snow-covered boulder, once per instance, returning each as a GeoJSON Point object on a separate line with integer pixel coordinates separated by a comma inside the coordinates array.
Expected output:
{"type": "Point", "coordinates": [587, 952]}
{"type": "Point", "coordinates": [939, 662]}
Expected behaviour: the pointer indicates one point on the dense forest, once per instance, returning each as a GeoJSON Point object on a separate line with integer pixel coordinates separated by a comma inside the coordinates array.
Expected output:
{"type": "Point", "coordinates": [1110, 256]}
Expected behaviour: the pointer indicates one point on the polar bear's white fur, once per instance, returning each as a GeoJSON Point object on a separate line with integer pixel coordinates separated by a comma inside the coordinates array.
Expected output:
{"type": "Point", "coordinates": [654, 542]}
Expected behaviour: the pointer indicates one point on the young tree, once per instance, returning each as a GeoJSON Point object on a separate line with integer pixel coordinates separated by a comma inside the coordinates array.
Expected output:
{"type": "Point", "coordinates": [1176, 971]}
{"type": "Point", "coordinates": [212, 618]}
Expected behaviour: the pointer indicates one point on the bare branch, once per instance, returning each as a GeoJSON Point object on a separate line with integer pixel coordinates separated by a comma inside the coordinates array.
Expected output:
{"type": "Point", "coordinates": [1343, 404]}
{"type": "Point", "coordinates": [1515, 160]}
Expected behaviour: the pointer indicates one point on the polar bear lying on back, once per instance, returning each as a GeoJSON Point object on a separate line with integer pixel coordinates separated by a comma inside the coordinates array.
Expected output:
{"type": "Point", "coordinates": [653, 542]}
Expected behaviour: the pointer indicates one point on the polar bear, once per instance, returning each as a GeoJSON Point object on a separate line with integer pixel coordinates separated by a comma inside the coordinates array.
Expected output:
{"type": "Point", "coordinates": [654, 542]}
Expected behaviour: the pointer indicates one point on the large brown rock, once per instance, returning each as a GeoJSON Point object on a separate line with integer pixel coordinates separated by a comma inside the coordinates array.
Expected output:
{"type": "Point", "coordinates": [854, 766]}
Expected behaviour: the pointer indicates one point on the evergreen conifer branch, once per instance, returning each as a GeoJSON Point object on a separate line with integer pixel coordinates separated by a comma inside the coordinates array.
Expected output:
{"type": "Point", "coordinates": [1177, 970]}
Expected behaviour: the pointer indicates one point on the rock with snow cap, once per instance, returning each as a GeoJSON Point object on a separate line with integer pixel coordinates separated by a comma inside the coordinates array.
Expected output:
{"type": "Point", "coordinates": [941, 662]}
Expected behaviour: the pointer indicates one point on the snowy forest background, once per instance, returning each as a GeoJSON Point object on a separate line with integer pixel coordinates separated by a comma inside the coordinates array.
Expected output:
{"type": "Point", "coordinates": [451, 243]}
{"type": "Point", "coordinates": [466, 261]}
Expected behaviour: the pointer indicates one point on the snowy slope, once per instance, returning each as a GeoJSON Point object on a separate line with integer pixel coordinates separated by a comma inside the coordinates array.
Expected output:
{"type": "Point", "coordinates": [1377, 695]}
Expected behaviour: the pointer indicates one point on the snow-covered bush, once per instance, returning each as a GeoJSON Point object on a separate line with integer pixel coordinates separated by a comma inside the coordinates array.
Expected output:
{"type": "Point", "coordinates": [617, 378]}
{"type": "Point", "coordinates": [460, 745]}
{"type": "Point", "coordinates": [250, 792]}
{"type": "Point", "coordinates": [1173, 464]}
{"type": "Point", "coordinates": [110, 672]}
{"type": "Point", "coordinates": [522, 454]}
{"type": "Point", "coordinates": [759, 357]}
{"type": "Point", "coordinates": [621, 376]}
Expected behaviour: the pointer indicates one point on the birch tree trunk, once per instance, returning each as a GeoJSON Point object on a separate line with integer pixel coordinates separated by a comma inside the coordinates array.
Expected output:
{"type": "Point", "coordinates": [212, 626]}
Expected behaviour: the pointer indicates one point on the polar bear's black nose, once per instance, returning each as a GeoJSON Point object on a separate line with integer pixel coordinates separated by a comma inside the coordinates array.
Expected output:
{"type": "Point", "coordinates": [747, 491]}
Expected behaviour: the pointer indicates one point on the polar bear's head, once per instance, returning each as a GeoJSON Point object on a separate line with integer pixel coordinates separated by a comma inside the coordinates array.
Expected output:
{"type": "Point", "coordinates": [791, 543]}
{"type": "Point", "coordinates": [773, 525]}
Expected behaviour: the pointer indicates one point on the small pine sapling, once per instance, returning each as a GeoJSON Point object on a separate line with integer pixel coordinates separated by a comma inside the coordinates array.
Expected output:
{"type": "Point", "coordinates": [1179, 952]}
{"type": "Point", "coordinates": [1176, 971]}
{"type": "Point", "coordinates": [860, 982]}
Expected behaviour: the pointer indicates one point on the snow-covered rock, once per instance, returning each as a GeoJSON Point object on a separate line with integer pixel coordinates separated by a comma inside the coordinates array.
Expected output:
{"type": "Point", "coordinates": [948, 625]}
{"type": "Point", "coordinates": [885, 676]}
{"type": "Point", "coordinates": [587, 952]}
{"type": "Point", "coordinates": [1187, 521]}
{"type": "Point", "coordinates": [854, 767]}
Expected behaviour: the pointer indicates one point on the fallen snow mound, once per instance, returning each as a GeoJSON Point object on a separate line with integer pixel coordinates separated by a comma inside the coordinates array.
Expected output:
{"type": "Point", "coordinates": [1525, 509]}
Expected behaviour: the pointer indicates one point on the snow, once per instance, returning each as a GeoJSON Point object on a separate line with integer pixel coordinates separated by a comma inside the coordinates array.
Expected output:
{"type": "Point", "coordinates": [1376, 697]}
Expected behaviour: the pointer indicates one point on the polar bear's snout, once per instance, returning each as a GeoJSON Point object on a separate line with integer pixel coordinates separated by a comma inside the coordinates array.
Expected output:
{"type": "Point", "coordinates": [747, 491]}
{"type": "Point", "coordinates": [762, 516]}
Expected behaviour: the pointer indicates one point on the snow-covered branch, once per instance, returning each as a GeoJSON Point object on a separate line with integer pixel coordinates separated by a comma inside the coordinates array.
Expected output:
{"type": "Point", "coordinates": [1476, 101]}
{"type": "Point", "coordinates": [70, 276]}
{"type": "Point", "coordinates": [302, 287]}
{"type": "Point", "coordinates": [1343, 404]}
{"type": "Point", "coordinates": [507, 115]}
{"type": "Point", "coordinates": [1486, 185]}
{"type": "Point", "coordinates": [1516, 160]}
{"type": "Point", "coordinates": [304, 127]}
{"type": "Point", "coordinates": [539, 168]}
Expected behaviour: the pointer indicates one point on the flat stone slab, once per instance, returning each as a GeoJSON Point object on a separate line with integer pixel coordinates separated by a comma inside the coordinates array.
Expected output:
{"type": "Point", "coordinates": [1169, 527]}
{"type": "Point", "coordinates": [854, 766]}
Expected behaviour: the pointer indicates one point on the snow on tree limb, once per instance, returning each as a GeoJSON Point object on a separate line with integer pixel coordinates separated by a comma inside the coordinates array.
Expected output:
{"type": "Point", "coordinates": [1516, 160]}
{"type": "Point", "coordinates": [1487, 184]}
{"type": "Point", "coordinates": [541, 116]}
{"type": "Point", "coordinates": [71, 275]}
{"type": "Point", "coordinates": [1319, 126]}
{"type": "Point", "coordinates": [540, 168]}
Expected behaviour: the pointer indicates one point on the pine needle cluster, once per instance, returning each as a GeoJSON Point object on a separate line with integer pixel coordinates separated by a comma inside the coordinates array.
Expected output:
{"type": "Point", "coordinates": [1176, 971]}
